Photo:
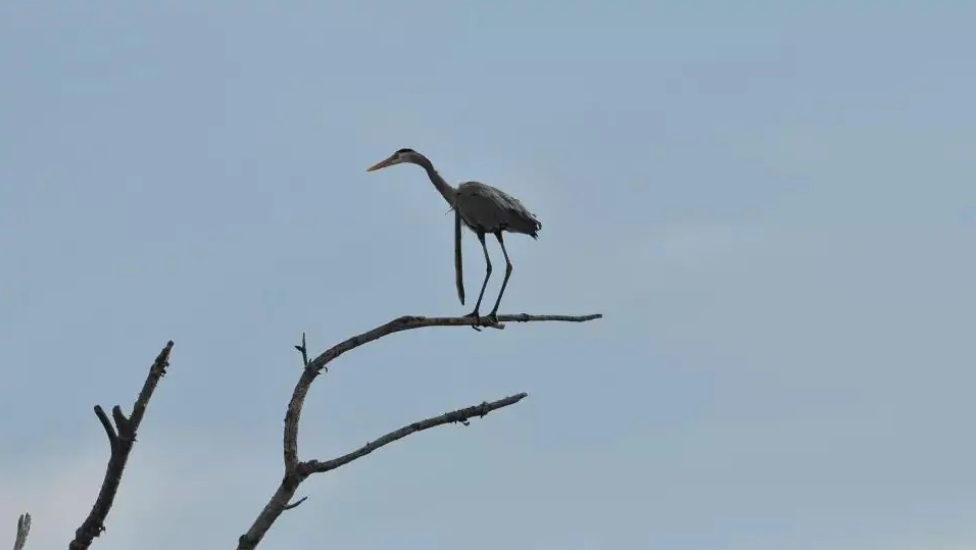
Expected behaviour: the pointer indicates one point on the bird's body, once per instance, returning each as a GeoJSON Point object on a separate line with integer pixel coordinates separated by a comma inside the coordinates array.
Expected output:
{"type": "Point", "coordinates": [489, 209]}
{"type": "Point", "coordinates": [481, 208]}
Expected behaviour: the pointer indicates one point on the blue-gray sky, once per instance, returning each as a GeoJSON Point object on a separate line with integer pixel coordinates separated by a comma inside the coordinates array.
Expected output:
{"type": "Point", "coordinates": [773, 203]}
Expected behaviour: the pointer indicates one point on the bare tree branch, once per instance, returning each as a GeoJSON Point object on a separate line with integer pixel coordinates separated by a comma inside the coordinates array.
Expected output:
{"type": "Point", "coordinates": [461, 415]}
{"type": "Point", "coordinates": [296, 472]}
{"type": "Point", "coordinates": [23, 529]}
{"type": "Point", "coordinates": [121, 438]}
{"type": "Point", "coordinates": [289, 485]}
{"type": "Point", "coordinates": [314, 367]}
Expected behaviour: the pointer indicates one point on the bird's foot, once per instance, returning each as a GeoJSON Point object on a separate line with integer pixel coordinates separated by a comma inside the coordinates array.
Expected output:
{"type": "Point", "coordinates": [477, 319]}
{"type": "Point", "coordinates": [491, 318]}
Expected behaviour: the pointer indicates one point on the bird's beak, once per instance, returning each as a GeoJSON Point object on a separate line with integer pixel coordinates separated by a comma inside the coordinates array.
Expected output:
{"type": "Point", "coordinates": [383, 164]}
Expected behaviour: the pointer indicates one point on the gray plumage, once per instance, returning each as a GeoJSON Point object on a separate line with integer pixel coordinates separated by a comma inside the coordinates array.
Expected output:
{"type": "Point", "coordinates": [481, 208]}
{"type": "Point", "coordinates": [490, 209]}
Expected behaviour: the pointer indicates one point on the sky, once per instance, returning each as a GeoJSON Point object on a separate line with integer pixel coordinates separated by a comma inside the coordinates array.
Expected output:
{"type": "Point", "coordinates": [771, 203]}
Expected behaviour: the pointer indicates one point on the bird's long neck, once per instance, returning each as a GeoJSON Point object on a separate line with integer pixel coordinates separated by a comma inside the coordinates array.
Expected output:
{"type": "Point", "coordinates": [446, 189]}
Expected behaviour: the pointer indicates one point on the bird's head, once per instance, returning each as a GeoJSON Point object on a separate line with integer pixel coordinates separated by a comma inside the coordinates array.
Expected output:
{"type": "Point", "coordinates": [399, 157]}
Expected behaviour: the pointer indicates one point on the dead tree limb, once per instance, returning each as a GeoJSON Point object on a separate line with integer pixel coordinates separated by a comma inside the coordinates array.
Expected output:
{"type": "Point", "coordinates": [296, 471]}
{"type": "Point", "coordinates": [121, 438]}
{"type": "Point", "coordinates": [279, 503]}
{"type": "Point", "coordinates": [461, 415]}
{"type": "Point", "coordinates": [23, 529]}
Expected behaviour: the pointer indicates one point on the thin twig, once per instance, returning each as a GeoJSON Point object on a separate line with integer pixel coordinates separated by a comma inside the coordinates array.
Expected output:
{"type": "Point", "coordinates": [121, 438]}
{"type": "Point", "coordinates": [303, 348]}
{"type": "Point", "coordinates": [113, 438]}
{"type": "Point", "coordinates": [295, 504]}
{"type": "Point", "coordinates": [23, 529]}
{"type": "Point", "coordinates": [279, 503]}
{"type": "Point", "coordinates": [460, 415]}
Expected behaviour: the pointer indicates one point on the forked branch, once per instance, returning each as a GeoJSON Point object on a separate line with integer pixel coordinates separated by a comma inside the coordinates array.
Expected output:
{"type": "Point", "coordinates": [279, 502]}
{"type": "Point", "coordinates": [121, 437]}
{"type": "Point", "coordinates": [296, 471]}
{"type": "Point", "coordinates": [23, 529]}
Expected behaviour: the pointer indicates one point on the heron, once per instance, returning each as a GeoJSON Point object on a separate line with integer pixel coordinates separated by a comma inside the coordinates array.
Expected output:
{"type": "Point", "coordinates": [481, 208]}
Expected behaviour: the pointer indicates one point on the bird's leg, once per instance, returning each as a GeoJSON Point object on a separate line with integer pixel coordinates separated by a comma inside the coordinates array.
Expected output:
{"type": "Point", "coordinates": [458, 267]}
{"type": "Point", "coordinates": [477, 305]}
{"type": "Point", "coordinates": [493, 316]}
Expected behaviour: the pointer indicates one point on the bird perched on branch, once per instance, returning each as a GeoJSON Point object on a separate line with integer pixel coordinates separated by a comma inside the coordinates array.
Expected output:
{"type": "Point", "coordinates": [483, 209]}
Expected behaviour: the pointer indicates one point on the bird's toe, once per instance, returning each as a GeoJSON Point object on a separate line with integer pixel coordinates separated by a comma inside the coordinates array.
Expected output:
{"type": "Point", "coordinates": [477, 319]}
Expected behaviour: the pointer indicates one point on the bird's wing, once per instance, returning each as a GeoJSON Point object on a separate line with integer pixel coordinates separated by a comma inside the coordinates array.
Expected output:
{"type": "Point", "coordinates": [458, 270]}
{"type": "Point", "coordinates": [491, 207]}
